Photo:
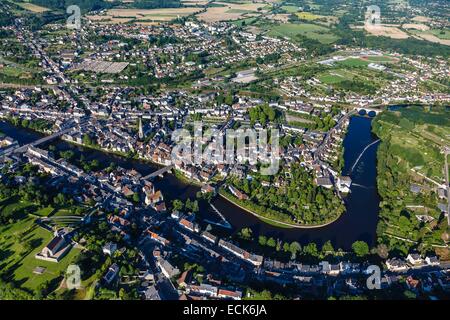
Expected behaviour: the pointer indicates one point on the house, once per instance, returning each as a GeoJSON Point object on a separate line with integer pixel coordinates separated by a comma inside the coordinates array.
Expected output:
{"type": "Point", "coordinates": [412, 284]}
{"type": "Point", "coordinates": [54, 250]}
{"type": "Point", "coordinates": [153, 198]}
{"type": "Point", "coordinates": [151, 293]}
{"type": "Point", "coordinates": [238, 194]}
{"type": "Point", "coordinates": [210, 237]}
{"type": "Point", "coordinates": [203, 289]}
{"type": "Point", "coordinates": [432, 261]}
{"type": "Point", "coordinates": [324, 182]}
{"type": "Point", "coordinates": [166, 268]}
{"type": "Point", "coordinates": [414, 259]}
{"type": "Point", "coordinates": [442, 193]}
{"type": "Point", "coordinates": [396, 265]}
{"type": "Point", "coordinates": [344, 183]}
{"type": "Point", "coordinates": [193, 227]}
{"type": "Point", "coordinates": [228, 294]}
{"type": "Point", "coordinates": [111, 273]}
{"type": "Point", "coordinates": [109, 248]}
{"type": "Point", "coordinates": [208, 189]}
{"type": "Point", "coordinates": [156, 237]}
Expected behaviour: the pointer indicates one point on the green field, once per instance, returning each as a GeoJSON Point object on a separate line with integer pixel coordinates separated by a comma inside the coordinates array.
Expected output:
{"type": "Point", "coordinates": [335, 76]}
{"type": "Point", "coordinates": [290, 9]}
{"type": "Point", "coordinates": [11, 71]}
{"type": "Point", "coordinates": [353, 62]}
{"type": "Point", "coordinates": [246, 21]}
{"type": "Point", "coordinates": [441, 34]}
{"type": "Point", "coordinates": [312, 31]}
{"type": "Point", "coordinates": [418, 139]}
{"type": "Point", "coordinates": [20, 241]}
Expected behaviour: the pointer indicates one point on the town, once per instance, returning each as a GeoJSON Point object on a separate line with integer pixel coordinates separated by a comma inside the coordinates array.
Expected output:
{"type": "Point", "coordinates": [89, 176]}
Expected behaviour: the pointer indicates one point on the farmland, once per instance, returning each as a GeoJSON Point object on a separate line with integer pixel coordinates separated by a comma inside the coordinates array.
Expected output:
{"type": "Point", "coordinates": [231, 11]}
{"type": "Point", "coordinates": [391, 31]}
{"type": "Point", "coordinates": [312, 31]}
{"type": "Point", "coordinates": [32, 7]}
{"type": "Point", "coordinates": [147, 15]}
{"type": "Point", "coordinates": [436, 36]}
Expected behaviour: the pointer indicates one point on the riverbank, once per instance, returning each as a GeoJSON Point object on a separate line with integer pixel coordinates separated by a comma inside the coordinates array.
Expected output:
{"type": "Point", "coordinates": [273, 222]}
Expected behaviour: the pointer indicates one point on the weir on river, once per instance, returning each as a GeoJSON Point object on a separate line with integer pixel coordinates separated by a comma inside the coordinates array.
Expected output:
{"type": "Point", "coordinates": [361, 154]}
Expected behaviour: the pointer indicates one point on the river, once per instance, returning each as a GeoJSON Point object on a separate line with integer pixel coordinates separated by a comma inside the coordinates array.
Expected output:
{"type": "Point", "coordinates": [357, 223]}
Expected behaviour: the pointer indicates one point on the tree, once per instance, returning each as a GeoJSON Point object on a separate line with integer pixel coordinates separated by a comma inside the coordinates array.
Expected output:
{"type": "Point", "coordinates": [311, 249]}
{"type": "Point", "coordinates": [294, 247]}
{"type": "Point", "coordinates": [382, 251]}
{"type": "Point", "coordinates": [177, 205]}
{"type": "Point", "coordinates": [87, 139]}
{"type": "Point", "coordinates": [271, 242]}
{"type": "Point", "coordinates": [195, 207]}
{"type": "Point", "coordinates": [246, 233]}
{"type": "Point", "coordinates": [327, 248]}
{"type": "Point", "coordinates": [360, 248]}
{"type": "Point", "coordinates": [262, 240]}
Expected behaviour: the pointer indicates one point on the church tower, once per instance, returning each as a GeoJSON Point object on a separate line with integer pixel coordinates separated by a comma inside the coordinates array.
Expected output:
{"type": "Point", "coordinates": [141, 131]}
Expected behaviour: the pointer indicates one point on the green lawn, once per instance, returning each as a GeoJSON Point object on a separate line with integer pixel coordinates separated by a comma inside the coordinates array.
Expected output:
{"type": "Point", "coordinates": [312, 31]}
{"type": "Point", "coordinates": [44, 212]}
{"type": "Point", "coordinates": [21, 240]}
{"type": "Point", "coordinates": [335, 76]}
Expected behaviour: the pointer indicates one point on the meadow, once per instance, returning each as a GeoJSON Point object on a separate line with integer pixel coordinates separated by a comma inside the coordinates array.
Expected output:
{"type": "Point", "coordinates": [32, 7]}
{"type": "Point", "coordinates": [21, 239]}
{"type": "Point", "coordinates": [312, 31]}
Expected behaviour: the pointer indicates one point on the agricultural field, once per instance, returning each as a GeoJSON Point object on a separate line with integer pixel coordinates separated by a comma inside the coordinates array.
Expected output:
{"type": "Point", "coordinates": [415, 26]}
{"type": "Point", "coordinates": [436, 36]}
{"type": "Point", "coordinates": [281, 17]}
{"type": "Point", "coordinates": [290, 9]}
{"type": "Point", "coordinates": [410, 152]}
{"type": "Point", "coordinates": [231, 11]}
{"type": "Point", "coordinates": [312, 31]}
{"type": "Point", "coordinates": [420, 148]}
{"type": "Point", "coordinates": [390, 31]}
{"type": "Point", "coordinates": [143, 15]}
{"type": "Point", "coordinates": [31, 7]}
{"type": "Point", "coordinates": [194, 2]}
